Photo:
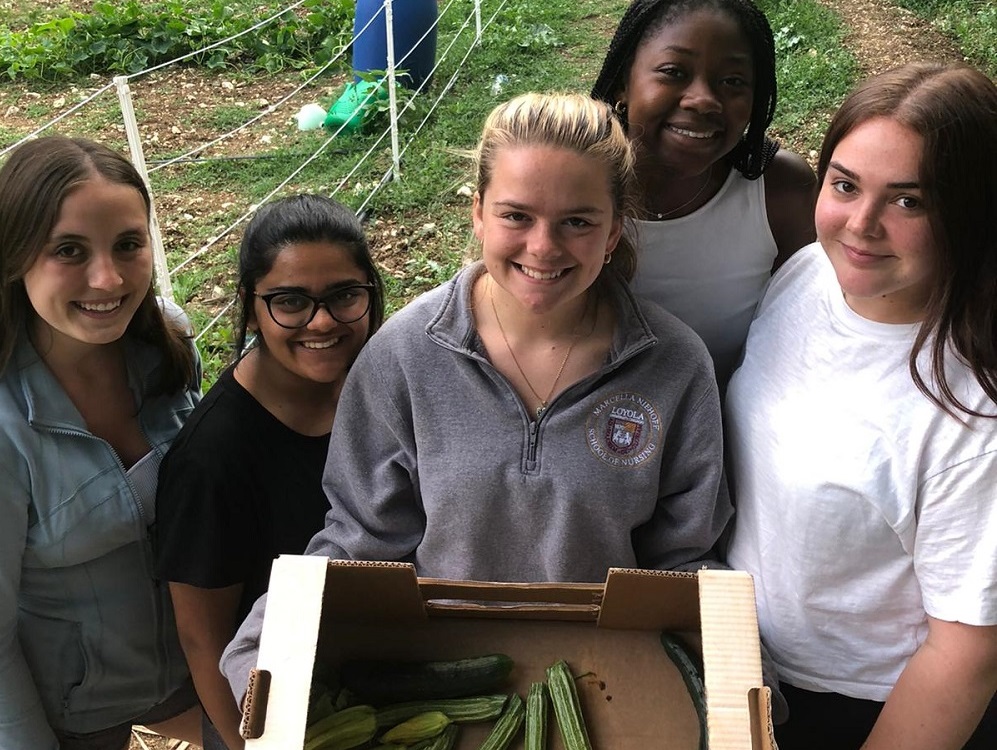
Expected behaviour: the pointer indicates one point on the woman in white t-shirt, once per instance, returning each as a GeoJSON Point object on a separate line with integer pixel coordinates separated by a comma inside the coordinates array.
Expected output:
{"type": "Point", "coordinates": [863, 429]}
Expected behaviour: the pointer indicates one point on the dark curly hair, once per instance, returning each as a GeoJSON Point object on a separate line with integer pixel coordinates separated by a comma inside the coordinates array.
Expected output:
{"type": "Point", "coordinates": [643, 18]}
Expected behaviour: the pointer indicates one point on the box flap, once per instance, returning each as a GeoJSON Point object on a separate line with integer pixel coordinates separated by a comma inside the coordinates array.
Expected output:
{"type": "Point", "coordinates": [732, 661]}
{"type": "Point", "coordinates": [642, 600]}
{"type": "Point", "coordinates": [374, 592]}
{"type": "Point", "coordinates": [287, 651]}
{"type": "Point", "coordinates": [762, 730]}
{"type": "Point", "coordinates": [574, 602]}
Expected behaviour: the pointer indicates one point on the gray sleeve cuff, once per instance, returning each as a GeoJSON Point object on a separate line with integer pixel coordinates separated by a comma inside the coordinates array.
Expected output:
{"type": "Point", "coordinates": [239, 657]}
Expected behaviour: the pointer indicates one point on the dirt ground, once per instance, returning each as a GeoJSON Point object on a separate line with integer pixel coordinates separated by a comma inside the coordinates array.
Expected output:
{"type": "Point", "coordinates": [884, 36]}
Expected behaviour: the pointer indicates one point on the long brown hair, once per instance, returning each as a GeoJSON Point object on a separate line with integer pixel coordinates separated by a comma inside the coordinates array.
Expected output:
{"type": "Point", "coordinates": [34, 182]}
{"type": "Point", "coordinates": [954, 110]}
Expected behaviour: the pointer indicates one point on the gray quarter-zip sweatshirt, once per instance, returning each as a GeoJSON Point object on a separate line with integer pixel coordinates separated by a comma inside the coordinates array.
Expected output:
{"type": "Point", "coordinates": [435, 460]}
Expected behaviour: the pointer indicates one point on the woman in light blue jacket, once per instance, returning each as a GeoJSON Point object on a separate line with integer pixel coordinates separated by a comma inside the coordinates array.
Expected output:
{"type": "Point", "coordinates": [96, 379]}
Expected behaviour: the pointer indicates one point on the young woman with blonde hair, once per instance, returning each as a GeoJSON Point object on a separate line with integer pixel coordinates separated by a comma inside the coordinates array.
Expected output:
{"type": "Point", "coordinates": [529, 420]}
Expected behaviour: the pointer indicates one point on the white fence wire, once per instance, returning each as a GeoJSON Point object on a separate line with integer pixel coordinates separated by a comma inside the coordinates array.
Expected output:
{"type": "Point", "coordinates": [446, 49]}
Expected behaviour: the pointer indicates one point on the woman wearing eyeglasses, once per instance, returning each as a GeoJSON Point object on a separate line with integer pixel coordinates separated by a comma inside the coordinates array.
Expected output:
{"type": "Point", "coordinates": [243, 481]}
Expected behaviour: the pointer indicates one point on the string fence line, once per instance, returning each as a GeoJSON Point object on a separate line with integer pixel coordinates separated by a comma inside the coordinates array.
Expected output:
{"type": "Point", "coordinates": [273, 107]}
{"type": "Point", "coordinates": [215, 45]}
{"type": "Point", "coordinates": [440, 59]}
{"type": "Point", "coordinates": [136, 144]}
{"type": "Point", "coordinates": [72, 110]}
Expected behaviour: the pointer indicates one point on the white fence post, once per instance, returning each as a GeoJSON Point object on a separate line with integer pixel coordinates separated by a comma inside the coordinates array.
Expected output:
{"type": "Point", "coordinates": [477, 21]}
{"type": "Point", "coordinates": [138, 159]}
{"type": "Point", "coordinates": [389, 26]}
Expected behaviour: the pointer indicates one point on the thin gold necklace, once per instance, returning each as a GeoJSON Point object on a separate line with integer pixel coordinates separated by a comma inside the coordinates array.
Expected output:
{"type": "Point", "coordinates": [663, 214]}
{"type": "Point", "coordinates": [543, 401]}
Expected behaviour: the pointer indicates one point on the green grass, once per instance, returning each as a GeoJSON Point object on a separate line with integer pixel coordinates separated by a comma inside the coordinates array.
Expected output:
{"type": "Point", "coordinates": [555, 45]}
{"type": "Point", "coordinates": [814, 69]}
{"type": "Point", "coordinates": [227, 117]}
{"type": "Point", "coordinates": [972, 24]}
{"type": "Point", "coordinates": [19, 14]}
{"type": "Point", "coordinates": [127, 36]}
{"type": "Point", "coordinates": [550, 45]}
{"type": "Point", "coordinates": [215, 346]}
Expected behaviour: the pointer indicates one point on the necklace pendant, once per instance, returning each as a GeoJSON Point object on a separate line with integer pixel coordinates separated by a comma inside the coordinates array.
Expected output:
{"type": "Point", "coordinates": [540, 410]}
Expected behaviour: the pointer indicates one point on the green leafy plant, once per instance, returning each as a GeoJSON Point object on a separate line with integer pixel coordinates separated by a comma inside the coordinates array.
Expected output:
{"type": "Point", "coordinates": [215, 346]}
{"type": "Point", "coordinates": [786, 40]}
{"type": "Point", "coordinates": [130, 36]}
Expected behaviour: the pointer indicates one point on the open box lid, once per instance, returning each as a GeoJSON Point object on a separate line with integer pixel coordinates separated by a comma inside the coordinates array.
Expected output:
{"type": "Point", "coordinates": [717, 604]}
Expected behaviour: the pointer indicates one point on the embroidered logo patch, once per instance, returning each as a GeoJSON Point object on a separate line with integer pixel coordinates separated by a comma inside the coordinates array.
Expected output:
{"type": "Point", "coordinates": [624, 430]}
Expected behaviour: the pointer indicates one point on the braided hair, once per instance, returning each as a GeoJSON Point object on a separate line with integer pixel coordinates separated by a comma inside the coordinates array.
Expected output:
{"type": "Point", "coordinates": [643, 18]}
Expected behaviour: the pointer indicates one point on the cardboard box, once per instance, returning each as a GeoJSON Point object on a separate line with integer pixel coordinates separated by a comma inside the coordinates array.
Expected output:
{"type": "Point", "coordinates": [632, 696]}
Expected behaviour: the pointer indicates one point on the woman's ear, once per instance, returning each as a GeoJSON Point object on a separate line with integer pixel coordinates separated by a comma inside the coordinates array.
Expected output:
{"type": "Point", "coordinates": [477, 216]}
{"type": "Point", "coordinates": [252, 324]}
{"type": "Point", "coordinates": [615, 232]}
{"type": "Point", "coordinates": [620, 98]}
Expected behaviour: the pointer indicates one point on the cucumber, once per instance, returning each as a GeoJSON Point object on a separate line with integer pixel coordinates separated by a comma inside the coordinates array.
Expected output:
{"type": "Point", "coordinates": [381, 682]}
{"type": "Point", "coordinates": [691, 670]}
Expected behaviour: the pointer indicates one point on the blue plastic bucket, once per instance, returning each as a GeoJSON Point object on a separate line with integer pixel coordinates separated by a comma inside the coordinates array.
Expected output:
{"type": "Point", "coordinates": [411, 20]}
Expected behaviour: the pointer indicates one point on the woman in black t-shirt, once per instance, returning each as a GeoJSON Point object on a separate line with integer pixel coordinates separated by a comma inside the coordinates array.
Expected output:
{"type": "Point", "coordinates": [243, 480]}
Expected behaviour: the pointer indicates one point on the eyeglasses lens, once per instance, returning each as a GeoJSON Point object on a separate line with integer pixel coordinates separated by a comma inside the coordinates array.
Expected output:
{"type": "Point", "coordinates": [297, 310]}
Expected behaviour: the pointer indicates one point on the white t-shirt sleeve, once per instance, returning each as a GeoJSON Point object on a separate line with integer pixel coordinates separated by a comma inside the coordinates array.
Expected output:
{"type": "Point", "coordinates": [955, 543]}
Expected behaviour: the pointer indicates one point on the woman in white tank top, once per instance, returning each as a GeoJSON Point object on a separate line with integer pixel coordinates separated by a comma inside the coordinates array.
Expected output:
{"type": "Point", "coordinates": [694, 83]}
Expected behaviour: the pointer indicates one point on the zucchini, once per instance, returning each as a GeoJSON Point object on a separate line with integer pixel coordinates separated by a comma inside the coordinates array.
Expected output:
{"type": "Point", "coordinates": [507, 726]}
{"type": "Point", "coordinates": [689, 667]}
{"type": "Point", "coordinates": [461, 710]}
{"type": "Point", "coordinates": [382, 682]}
{"type": "Point", "coordinates": [567, 709]}
{"type": "Point", "coordinates": [536, 717]}
{"type": "Point", "coordinates": [349, 728]}
{"type": "Point", "coordinates": [423, 726]}
{"type": "Point", "coordinates": [445, 740]}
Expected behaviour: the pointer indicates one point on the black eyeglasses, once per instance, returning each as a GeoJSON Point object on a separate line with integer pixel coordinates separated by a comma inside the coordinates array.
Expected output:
{"type": "Point", "coordinates": [297, 309]}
